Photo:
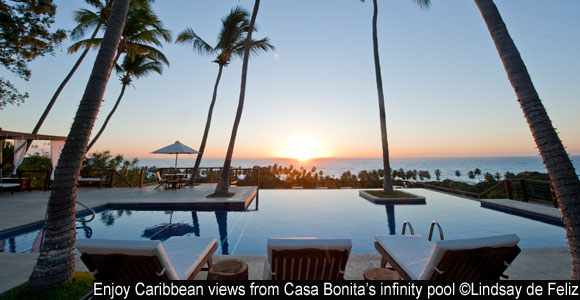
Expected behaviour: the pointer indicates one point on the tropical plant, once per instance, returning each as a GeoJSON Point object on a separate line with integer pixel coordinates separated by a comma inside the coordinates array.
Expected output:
{"type": "Point", "coordinates": [56, 262]}
{"type": "Point", "coordinates": [223, 185]}
{"type": "Point", "coordinates": [477, 172]}
{"type": "Point", "coordinates": [231, 42]}
{"type": "Point", "coordinates": [556, 160]}
{"type": "Point", "coordinates": [438, 174]}
{"type": "Point", "coordinates": [133, 66]}
{"type": "Point", "coordinates": [471, 175]}
{"type": "Point", "coordinates": [457, 173]}
{"type": "Point", "coordinates": [143, 30]}
{"type": "Point", "coordinates": [86, 20]}
{"type": "Point", "coordinates": [388, 184]}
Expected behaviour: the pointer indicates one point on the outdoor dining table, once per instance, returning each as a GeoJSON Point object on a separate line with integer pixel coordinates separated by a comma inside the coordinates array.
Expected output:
{"type": "Point", "coordinates": [175, 179]}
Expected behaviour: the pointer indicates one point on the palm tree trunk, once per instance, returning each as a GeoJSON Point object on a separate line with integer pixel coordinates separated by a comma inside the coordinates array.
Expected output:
{"type": "Point", "coordinates": [387, 181]}
{"type": "Point", "coordinates": [560, 169]}
{"type": "Point", "coordinates": [56, 262]}
{"type": "Point", "coordinates": [61, 87]}
{"type": "Point", "coordinates": [223, 185]}
{"type": "Point", "coordinates": [206, 131]}
{"type": "Point", "coordinates": [108, 118]}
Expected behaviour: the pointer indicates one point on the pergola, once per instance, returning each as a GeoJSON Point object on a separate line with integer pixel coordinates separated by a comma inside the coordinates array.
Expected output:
{"type": "Point", "coordinates": [29, 137]}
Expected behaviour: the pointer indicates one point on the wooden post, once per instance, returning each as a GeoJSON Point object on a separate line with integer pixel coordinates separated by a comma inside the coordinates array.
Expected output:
{"type": "Point", "coordinates": [141, 180]}
{"type": "Point", "coordinates": [524, 190]}
{"type": "Point", "coordinates": [508, 189]}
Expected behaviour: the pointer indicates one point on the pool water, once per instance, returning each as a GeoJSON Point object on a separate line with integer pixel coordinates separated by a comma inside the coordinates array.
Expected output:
{"type": "Point", "coordinates": [307, 213]}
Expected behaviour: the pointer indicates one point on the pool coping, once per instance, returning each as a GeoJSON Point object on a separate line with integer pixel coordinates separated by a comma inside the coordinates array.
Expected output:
{"type": "Point", "coordinates": [240, 202]}
{"type": "Point", "coordinates": [537, 212]}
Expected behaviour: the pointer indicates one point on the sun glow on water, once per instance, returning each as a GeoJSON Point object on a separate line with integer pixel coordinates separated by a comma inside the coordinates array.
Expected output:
{"type": "Point", "coordinates": [302, 147]}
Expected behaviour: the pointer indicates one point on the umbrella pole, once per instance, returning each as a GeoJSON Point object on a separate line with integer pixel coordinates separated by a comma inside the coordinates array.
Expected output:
{"type": "Point", "coordinates": [176, 163]}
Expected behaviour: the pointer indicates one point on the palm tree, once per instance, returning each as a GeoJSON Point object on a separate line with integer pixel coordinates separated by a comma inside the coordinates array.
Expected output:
{"type": "Point", "coordinates": [142, 29]}
{"type": "Point", "coordinates": [387, 180]}
{"type": "Point", "coordinates": [438, 174]}
{"type": "Point", "coordinates": [231, 42]}
{"type": "Point", "coordinates": [133, 66]}
{"type": "Point", "coordinates": [56, 262]}
{"type": "Point", "coordinates": [223, 185]}
{"type": "Point", "coordinates": [457, 173]}
{"type": "Point", "coordinates": [471, 175]}
{"type": "Point", "coordinates": [86, 20]}
{"type": "Point", "coordinates": [560, 169]}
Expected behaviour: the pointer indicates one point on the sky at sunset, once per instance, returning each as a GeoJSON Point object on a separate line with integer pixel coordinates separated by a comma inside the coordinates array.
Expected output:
{"type": "Point", "coordinates": [446, 91]}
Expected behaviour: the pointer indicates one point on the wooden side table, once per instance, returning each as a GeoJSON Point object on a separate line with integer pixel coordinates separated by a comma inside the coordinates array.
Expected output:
{"type": "Point", "coordinates": [380, 274]}
{"type": "Point", "coordinates": [228, 269]}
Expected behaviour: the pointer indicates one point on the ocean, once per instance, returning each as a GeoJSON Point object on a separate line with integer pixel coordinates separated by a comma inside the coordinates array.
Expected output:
{"type": "Point", "coordinates": [336, 166]}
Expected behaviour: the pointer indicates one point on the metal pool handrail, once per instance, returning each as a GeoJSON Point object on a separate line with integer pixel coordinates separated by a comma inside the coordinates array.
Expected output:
{"type": "Point", "coordinates": [438, 227]}
{"type": "Point", "coordinates": [410, 228]}
{"type": "Point", "coordinates": [90, 209]}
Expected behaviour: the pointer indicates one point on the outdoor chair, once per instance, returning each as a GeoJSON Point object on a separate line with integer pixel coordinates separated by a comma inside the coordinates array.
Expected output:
{"type": "Point", "coordinates": [306, 259]}
{"type": "Point", "coordinates": [183, 181]}
{"type": "Point", "coordinates": [164, 183]}
{"type": "Point", "coordinates": [416, 258]}
{"type": "Point", "coordinates": [10, 186]}
{"type": "Point", "coordinates": [178, 258]}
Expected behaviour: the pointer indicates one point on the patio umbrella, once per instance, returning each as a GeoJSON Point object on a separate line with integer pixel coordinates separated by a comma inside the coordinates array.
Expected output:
{"type": "Point", "coordinates": [176, 148]}
{"type": "Point", "coordinates": [165, 231]}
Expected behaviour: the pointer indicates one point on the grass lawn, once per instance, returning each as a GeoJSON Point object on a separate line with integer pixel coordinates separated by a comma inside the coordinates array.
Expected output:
{"type": "Point", "coordinates": [395, 194]}
{"type": "Point", "coordinates": [81, 284]}
{"type": "Point", "coordinates": [228, 195]}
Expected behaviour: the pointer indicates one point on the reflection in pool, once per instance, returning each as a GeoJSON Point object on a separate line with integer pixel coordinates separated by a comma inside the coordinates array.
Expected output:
{"type": "Point", "coordinates": [305, 213]}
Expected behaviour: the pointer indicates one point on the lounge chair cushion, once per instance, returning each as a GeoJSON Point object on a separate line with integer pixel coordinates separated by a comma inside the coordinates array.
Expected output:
{"type": "Point", "coordinates": [411, 252]}
{"type": "Point", "coordinates": [186, 253]}
{"type": "Point", "coordinates": [128, 247]}
{"type": "Point", "coordinates": [302, 243]}
{"type": "Point", "coordinates": [178, 255]}
{"type": "Point", "coordinates": [440, 247]}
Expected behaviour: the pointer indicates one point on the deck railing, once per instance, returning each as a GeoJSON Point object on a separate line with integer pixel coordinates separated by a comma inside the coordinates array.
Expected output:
{"type": "Point", "coordinates": [40, 179]}
{"type": "Point", "coordinates": [526, 190]}
{"type": "Point", "coordinates": [238, 176]}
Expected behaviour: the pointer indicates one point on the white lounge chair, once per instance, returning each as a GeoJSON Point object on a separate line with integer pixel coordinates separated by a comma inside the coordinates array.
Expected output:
{"type": "Point", "coordinates": [414, 257]}
{"type": "Point", "coordinates": [306, 259]}
{"type": "Point", "coordinates": [179, 258]}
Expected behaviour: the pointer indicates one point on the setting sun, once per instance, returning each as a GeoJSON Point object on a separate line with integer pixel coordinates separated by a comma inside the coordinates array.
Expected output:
{"type": "Point", "coordinates": [302, 147]}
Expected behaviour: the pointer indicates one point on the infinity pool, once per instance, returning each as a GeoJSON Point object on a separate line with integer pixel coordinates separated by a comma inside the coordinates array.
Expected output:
{"type": "Point", "coordinates": [306, 213]}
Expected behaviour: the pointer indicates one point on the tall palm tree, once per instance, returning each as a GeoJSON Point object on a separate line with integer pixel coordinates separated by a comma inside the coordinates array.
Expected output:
{"type": "Point", "coordinates": [56, 262]}
{"type": "Point", "coordinates": [387, 179]}
{"type": "Point", "coordinates": [133, 66]}
{"type": "Point", "coordinates": [86, 20]}
{"type": "Point", "coordinates": [560, 169]}
{"type": "Point", "coordinates": [231, 42]}
{"type": "Point", "coordinates": [223, 184]}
